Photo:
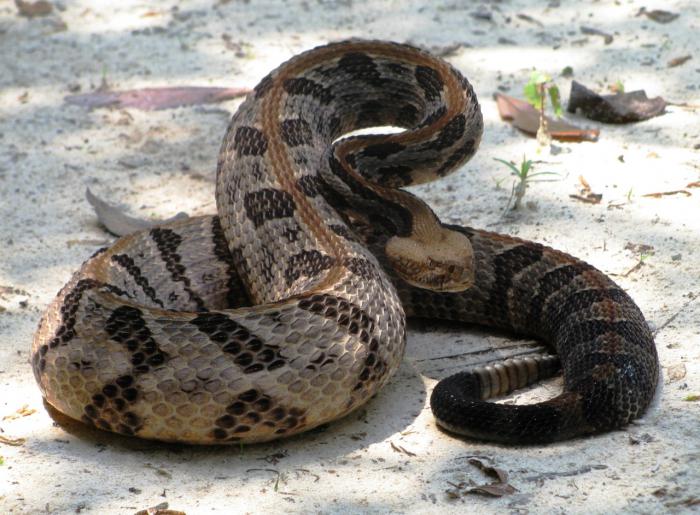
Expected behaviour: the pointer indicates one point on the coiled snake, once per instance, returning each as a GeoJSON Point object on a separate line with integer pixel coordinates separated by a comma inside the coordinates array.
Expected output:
{"type": "Point", "coordinates": [287, 310]}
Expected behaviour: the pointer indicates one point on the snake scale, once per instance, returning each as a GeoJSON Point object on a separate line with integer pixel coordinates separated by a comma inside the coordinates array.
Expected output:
{"type": "Point", "coordinates": [288, 309]}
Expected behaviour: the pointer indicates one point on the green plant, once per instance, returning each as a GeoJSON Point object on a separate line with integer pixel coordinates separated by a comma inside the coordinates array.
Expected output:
{"type": "Point", "coordinates": [523, 176]}
{"type": "Point", "coordinates": [536, 91]}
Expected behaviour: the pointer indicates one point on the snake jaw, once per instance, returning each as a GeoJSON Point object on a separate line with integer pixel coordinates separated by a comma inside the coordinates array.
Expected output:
{"type": "Point", "coordinates": [442, 262]}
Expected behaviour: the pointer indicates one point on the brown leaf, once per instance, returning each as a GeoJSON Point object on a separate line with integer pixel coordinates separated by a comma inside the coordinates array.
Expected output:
{"type": "Point", "coordinates": [620, 108]}
{"type": "Point", "coordinates": [496, 473]}
{"type": "Point", "coordinates": [119, 224]}
{"type": "Point", "coordinates": [584, 183]}
{"type": "Point", "coordinates": [494, 489]}
{"type": "Point", "coordinates": [677, 61]}
{"type": "Point", "coordinates": [33, 9]}
{"type": "Point", "coordinates": [667, 193]}
{"type": "Point", "coordinates": [151, 99]}
{"type": "Point", "coordinates": [658, 15]}
{"type": "Point", "coordinates": [695, 184]}
{"type": "Point", "coordinates": [525, 117]}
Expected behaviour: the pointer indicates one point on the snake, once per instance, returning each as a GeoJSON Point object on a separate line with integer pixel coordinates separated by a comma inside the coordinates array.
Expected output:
{"type": "Point", "coordinates": [288, 308]}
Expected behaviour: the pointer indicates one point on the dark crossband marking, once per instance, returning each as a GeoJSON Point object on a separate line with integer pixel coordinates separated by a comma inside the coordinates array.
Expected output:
{"type": "Point", "coordinates": [311, 185]}
{"type": "Point", "coordinates": [556, 312]}
{"type": "Point", "coordinates": [397, 219]}
{"type": "Point", "coordinates": [268, 204]}
{"type": "Point", "coordinates": [346, 314]}
{"type": "Point", "coordinates": [450, 133]}
{"type": "Point", "coordinates": [168, 242]}
{"type": "Point", "coordinates": [457, 157]}
{"type": "Point", "coordinates": [296, 132]}
{"type": "Point", "coordinates": [235, 293]}
{"type": "Point", "coordinates": [127, 263]}
{"type": "Point", "coordinates": [247, 350]}
{"type": "Point", "coordinates": [303, 86]}
{"type": "Point", "coordinates": [382, 150]}
{"type": "Point", "coordinates": [361, 67]}
{"type": "Point", "coordinates": [263, 86]}
{"type": "Point", "coordinates": [249, 141]}
{"type": "Point", "coordinates": [308, 263]}
{"type": "Point", "coordinates": [430, 82]}
{"type": "Point", "coordinates": [363, 268]}
{"type": "Point", "coordinates": [126, 325]}
{"type": "Point", "coordinates": [550, 283]}
{"type": "Point", "coordinates": [505, 267]}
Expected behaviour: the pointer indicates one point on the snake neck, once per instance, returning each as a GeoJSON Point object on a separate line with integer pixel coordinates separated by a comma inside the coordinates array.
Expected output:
{"type": "Point", "coordinates": [278, 161]}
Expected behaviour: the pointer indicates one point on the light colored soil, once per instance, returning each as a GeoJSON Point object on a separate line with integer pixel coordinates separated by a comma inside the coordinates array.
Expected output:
{"type": "Point", "coordinates": [388, 457]}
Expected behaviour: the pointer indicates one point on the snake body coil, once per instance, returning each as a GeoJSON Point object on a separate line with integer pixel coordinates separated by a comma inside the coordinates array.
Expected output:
{"type": "Point", "coordinates": [287, 310]}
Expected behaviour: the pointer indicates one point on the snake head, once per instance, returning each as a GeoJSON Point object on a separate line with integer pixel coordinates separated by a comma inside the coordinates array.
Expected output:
{"type": "Point", "coordinates": [441, 261]}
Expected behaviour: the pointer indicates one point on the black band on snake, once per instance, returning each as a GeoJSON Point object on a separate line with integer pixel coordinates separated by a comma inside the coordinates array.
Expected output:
{"type": "Point", "coordinates": [287, 309]}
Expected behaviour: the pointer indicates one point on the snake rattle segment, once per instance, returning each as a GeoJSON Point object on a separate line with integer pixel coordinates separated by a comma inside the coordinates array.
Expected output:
{"type": "Point", "coordinates": [287, 310]}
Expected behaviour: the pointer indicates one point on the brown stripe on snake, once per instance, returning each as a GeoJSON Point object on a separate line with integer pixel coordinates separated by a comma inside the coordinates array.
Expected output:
{"type": "Point", "coordinates": [325, 254]}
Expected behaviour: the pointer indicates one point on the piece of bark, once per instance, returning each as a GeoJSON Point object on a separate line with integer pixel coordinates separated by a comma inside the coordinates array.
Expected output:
{"type": "Point", "coordinates": [525, 117]}
{"type": "Point", "coordinates": [151, 99]}
{"type": "Point", "coordinates": [629, 107]}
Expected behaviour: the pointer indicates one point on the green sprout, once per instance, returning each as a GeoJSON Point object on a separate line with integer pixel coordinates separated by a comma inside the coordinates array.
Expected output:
{"type": "Point", "coordinates": [536, 90]}
{"type": "Point", "coordinates": [523, 176]}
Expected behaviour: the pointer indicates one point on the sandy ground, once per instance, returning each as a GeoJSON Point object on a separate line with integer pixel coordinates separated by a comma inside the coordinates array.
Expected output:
{"type": "Point", "coordinates": [389, 456]}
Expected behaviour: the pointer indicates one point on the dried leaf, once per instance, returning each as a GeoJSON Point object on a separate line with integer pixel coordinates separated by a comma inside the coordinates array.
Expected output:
{"type": "Point", "coordinates": [695, 184]}
{"type": "Point", "coordinates": [667, 193]}
{"type": "Point", "coordinates": [590, 31]}
{"type": "Point", "coordinates": [33, 9]}
{"type": "Point", "coordinates": [658, 15]}
{"type": "Point", "coordinates": [677, 61]}
{"type": "Point", "coordinates": [620, 108]}
{"type": "Point", "coordinates": [496, 473]}
{"type": "Point", "coordinates": [526, 118]}
{"type": "Point", "coordinates": [119, 224]}
{"type": "Point", "coordinates": [150, 99]}
{"type": "Point", "coordinates": [498, 488]}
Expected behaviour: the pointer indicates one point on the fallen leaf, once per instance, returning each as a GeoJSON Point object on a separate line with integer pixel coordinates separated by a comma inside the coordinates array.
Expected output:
{"type": "Point", "coordinates": [620, 108]}
{"type": "Point", "coordinates": [691, 398]}
{"type": "Point", "coordinates": [525, 117]}
{"type": "Point", "coordinates": [119, 224]}
{"type": "Point", "coordinates": [590, 31]}
{"type": "Point", "coordinates": [33, 9]}
{"type": "Point", "coordinates": [695, 184]}
{"type": "Point", "coordinates": [677, 61]}
{"type": "Point", "coordinates": [658, 15]}
{"type": "Point", "coordinates": [498, 488]}
{"type": "Point", "coordinates": [151, 99]}
{"type": "Point", "coordinates": [667, 193]}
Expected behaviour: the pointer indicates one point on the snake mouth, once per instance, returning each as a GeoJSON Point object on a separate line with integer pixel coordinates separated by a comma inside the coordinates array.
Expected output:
{"type": "Point", "coordinates": [442, 263]}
